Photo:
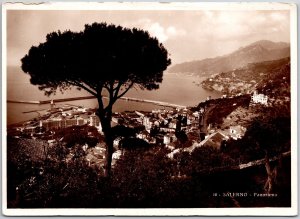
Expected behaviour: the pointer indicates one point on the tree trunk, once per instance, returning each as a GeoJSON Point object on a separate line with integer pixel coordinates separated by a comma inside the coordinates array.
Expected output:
{"type": "Point", "coordinates": [105, 120]}
{"type": "Point", "coordinates": [272, 175]}
{"type": "Point", "coordinates": [108, 155]}
{"type": "Point", "coordinates": [269, 183]}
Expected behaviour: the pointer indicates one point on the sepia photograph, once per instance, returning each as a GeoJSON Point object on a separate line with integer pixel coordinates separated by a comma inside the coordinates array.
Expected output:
{"type": "Point", "coordinates": [149, 109]}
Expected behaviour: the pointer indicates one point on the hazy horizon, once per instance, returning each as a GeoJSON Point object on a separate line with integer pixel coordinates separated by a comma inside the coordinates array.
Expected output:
{"type": "Point", "coordinates": [187, 35]}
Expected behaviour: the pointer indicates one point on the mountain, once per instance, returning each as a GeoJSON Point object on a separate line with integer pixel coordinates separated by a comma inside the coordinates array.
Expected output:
{"type": "Point", "coordinates": [259, 51]}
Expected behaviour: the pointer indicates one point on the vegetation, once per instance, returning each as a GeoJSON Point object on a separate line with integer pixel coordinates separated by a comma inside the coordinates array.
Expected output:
{"type": "Point", "coordinates": [278, 83]}
{"type": "Point", "coordinates": [105, 60]}
{"type": "Point", "coordinates": [269, 135]}
{"type": "Point", "coordinates": [218, 109]}
{"type": "Point", "coordinates": [79, 135]}
{"type": "Point", "coordinates": [142, 177]}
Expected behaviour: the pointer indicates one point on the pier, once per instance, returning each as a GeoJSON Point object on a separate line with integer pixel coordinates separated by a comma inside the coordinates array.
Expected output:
{"type": "Point", "coordinates": [49, 101]}
{"type": "Point", "coordinates": [159, 103]}
{"type": "Point", "coordinates": [66, 99]}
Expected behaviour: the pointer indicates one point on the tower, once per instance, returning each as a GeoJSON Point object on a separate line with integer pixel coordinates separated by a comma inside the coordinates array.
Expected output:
{"type": "Point", "coordinates": [52, 105]}
{"type": "Point", "coordinates": [202, 123]}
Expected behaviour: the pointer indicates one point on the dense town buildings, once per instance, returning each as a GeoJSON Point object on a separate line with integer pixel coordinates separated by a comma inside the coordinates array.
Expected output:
{"type": "Point", "coordinates": [158, 127]}
{"type": "Point", "coordinates": [165, 123]}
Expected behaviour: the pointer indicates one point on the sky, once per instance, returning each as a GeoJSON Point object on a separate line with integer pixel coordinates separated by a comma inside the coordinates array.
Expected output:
{"type": "Point", "coordinates": [187, 35]}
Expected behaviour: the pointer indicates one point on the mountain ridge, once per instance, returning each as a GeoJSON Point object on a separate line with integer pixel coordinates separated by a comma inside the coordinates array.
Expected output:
{"type": "Point", "coordinates": [259, 51]}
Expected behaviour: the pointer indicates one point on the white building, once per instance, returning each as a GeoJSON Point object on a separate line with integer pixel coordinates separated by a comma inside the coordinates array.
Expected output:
{"type": "Point", "coordinates": [167, 139]}
{"type": "Point", "coordinates": [57, 123]}
{"type": "Point", "coordinates": [139, 113]}
{"type": "Point", "coordinates": [143, 135]}
{"type": "Point", "coordinates": [116, 142]}
{"type": "Point", "coordinates": [81, 109]}
{"type": "Point", "coordinates": [259, 98]}
{"type": "Point", "coordinates": [237, 132]}
{"type": "Point", "coordinates": [148, 122]}
{"type": "Point", "coordinates": [94, 121]}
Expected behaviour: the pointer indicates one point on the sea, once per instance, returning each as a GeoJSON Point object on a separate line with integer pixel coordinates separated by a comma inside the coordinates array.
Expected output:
{"type": "Point", "coordinates": [180, 89]}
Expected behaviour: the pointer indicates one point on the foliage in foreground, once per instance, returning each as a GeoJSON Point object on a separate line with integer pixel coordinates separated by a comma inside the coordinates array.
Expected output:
{"type": "Point", "coordinates": [143, 177]}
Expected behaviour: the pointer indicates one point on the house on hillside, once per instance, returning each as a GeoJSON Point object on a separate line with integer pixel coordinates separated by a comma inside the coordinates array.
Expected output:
{"type": "Point", "coordinates": [143, 135]}
{"type": "Point", "coordinates": [116, 156]}
{"type": "Point", "coordinates": [172, 124]}
{"type": "Point", "coordinates": [148, 122]}
{"type": "Point", "coordinates": [259, 98]}
{"type": "Point", "coordinates": [237, 132]}
{"type": "Point", "coordinates": [168, 138]}
{"type": "Point", "coordinates": [214, 140]}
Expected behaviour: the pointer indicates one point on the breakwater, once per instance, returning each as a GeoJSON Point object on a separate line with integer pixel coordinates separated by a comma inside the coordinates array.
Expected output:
{"type": "Point", "coordinates": [159, 103]}
{"type": "Point", "coordinates": [24, 101]}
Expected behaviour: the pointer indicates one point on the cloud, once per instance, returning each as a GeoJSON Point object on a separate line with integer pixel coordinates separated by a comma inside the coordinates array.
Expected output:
{"type": "Point", "coordinates": [163, 33]}
{"type": "Point", "coordinates": [235, 25]}
{"type": "Point", "coordinates": [157, 30]}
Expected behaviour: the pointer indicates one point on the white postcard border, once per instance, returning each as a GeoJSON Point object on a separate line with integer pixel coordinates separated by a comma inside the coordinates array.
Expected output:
{"type": "Point", "coordinates": [293, 210]}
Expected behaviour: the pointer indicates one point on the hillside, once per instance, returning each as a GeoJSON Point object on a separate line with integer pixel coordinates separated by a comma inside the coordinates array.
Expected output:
{"type": "Point", "coordinates": [265, 76]}
{"type": "Point", "coordinates": [277, 84]}
{"type": "Point", "coordinates": [259, 51]}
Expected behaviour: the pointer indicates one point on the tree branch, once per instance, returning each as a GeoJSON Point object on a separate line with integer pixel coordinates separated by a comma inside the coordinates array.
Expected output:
{"type": "Point", "coordinates": [110, 88]}
{"type": "Point", "coordinates": [78, 84]}
{"type": "Point", "coordinates": [125, 91]}
{"type": "Point", "coordinates": [117, 89]}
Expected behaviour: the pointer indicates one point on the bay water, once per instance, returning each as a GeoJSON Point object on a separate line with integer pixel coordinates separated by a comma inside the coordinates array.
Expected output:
{"type": "Point", "coordinates": [181, 89]}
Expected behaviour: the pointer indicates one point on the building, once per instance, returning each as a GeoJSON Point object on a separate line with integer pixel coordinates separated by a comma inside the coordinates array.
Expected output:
{"type": "Point", "coordinates": [143, 135]}
{"type": "Point", "coordinates": [80, 121]}
{"type": "Point", "coordinates": [214, 140]}
{"type": "Point", "coordinates": [139, 113]}
{"type": "Point", "coordinates": [81, 109]}
{"type": "Point", "coordinates": [94, 121]}
{"type": "Point", "coordinates": [29, 130]}
{"type": "Point", "coordinates": [54, 123]}
{"type": "Point", "coordinates": [168, 130]}
{"type": "Point", "coordinates": [117, 120]}
{"type": "Point", "coordinates": [237, 132]}
{"type": "Point", "coordinates": [172, 124]}
{"type": "Point", "coordinates": [69, 122]}
{"type": "Point", "coordinates": [259, 98]}
{"type": "Point", "coordinates": [57, 123]}
{"type": "Point", "coordinates": [116, 142]}
{"type": "Point", "coordinates": [148, 122]}
{"type": "Point", "coordinates": [52, 105]}
{"type": "Point", "coordinates": [168, 138]}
